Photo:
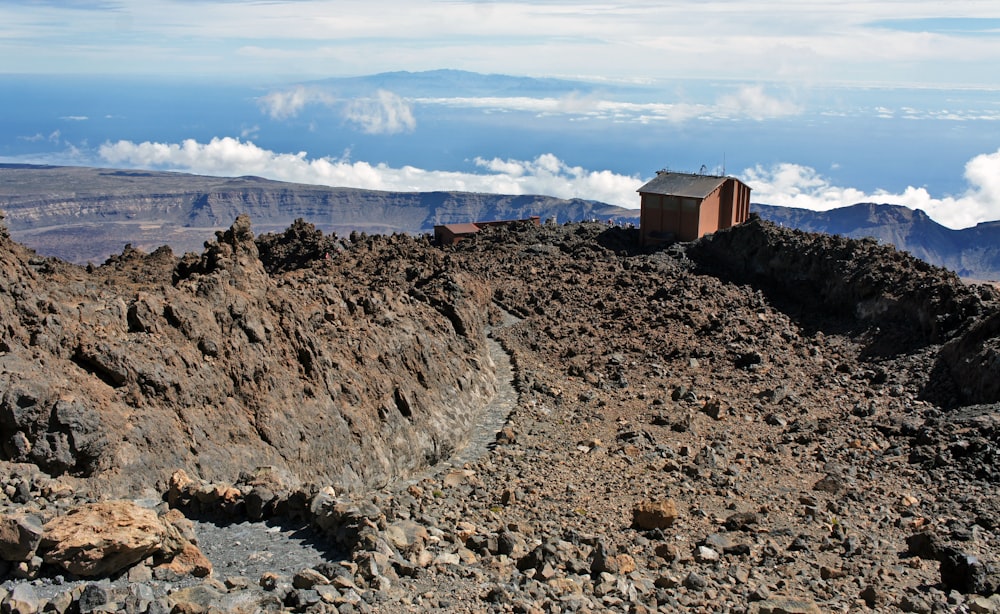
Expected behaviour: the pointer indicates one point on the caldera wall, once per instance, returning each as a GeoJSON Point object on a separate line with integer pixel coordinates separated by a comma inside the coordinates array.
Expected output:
{"type": "Point", "coordinates": [352, 372]}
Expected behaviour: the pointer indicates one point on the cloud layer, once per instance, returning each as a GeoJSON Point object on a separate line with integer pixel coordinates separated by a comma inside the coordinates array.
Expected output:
{"type": "Point", "coordinates": [786, 184]}
{"type": "Point", "coordinates": [228, 156]}
{"type": "Point", "coordinates": [793, 185]}
{"type": "Point", "coordinates": [747, 102]}
{"type": "Point", "coordinates": [877, 41]}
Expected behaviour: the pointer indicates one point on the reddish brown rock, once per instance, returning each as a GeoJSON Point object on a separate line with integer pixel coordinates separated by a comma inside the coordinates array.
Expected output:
{"type": "Point", "coordinates": [102, 538]}
{"type": "Point", "coordinates": [190, 561]}
{"type": "Point", "coordinates": [659, 514]}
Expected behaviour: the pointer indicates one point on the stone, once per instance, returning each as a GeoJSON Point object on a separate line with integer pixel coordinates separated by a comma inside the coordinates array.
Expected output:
{"type": "Point", "coordinates": [714, 409]}
{"type": "Point", "coordinates": [407, 536]}
{"type": "Point", "coordinates": [102, 538]}
{"type": "Point", "coordinates": [510, 544]}
{"type": "Point", "coordinates": [179, 487]}
{"type": "Point", "coordinates": [742, 521]}
{"type": "Point", "coordinates": [984, 605]}
{"type": "Point", "coordinates": [190, 561]}
{"type": "Point", "coordinates": [94, 597]}
{"type": "Point", "coordinates": [925, 545]}
{"type": "Point", "coordinates": [23, 599]}
{"type": "Point", "coordinates": [654, 514]}
{"type": "Point", "coordinates": [603, 560]}
{"type": "Point", "coordinates": [915, 603]}
{"type": "Point", "coordinates": [667, 551]}
{"type": "Point", "coordinates": [872, 596]}
{"type": "Point", "coordinates": [695, 581]}
{"type": "Point", "coordinates": [832, 483]}
{"type": "Point", "coordinates": [20, 535]}
{"type": "Point", "coordinates": [138, 598]}
{"type": "Point", "coordinates": [197, 599]}
{"type": "Point", "coordinates": [963, 572]}
{"type": "Point", "coordinates": [63, 601]}
{"type": "Point", "coordinates": [308, 578]}
{"type": "Point", "coordinates": [704, 554]}
{"type": "Point", "coordinates": [327, 592]}
{"type": "Point", "coordinates": [786, 606]}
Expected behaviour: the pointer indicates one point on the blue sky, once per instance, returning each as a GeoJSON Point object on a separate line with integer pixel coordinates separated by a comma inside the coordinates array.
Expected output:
{"type": "Point", "coordinates": [824, 103]}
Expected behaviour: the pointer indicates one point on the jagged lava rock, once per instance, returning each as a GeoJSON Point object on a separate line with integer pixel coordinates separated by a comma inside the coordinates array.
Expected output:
{"type": "Point", "coordinates": [359, 369]}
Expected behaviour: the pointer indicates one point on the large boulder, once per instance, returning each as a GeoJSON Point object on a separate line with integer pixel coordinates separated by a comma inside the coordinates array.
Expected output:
{"type": "Point", "coordinates": [101, 539]}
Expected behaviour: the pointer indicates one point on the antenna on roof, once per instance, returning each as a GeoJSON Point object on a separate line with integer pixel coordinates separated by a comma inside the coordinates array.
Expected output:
{"type": "Point", "coordinates": [702, 170]}
{"type": "Point", "coordinates": [723, 164]}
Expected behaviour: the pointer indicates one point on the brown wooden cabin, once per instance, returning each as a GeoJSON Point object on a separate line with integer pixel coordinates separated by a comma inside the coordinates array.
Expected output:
{"type": "Point", "coordinates": [684, 206]}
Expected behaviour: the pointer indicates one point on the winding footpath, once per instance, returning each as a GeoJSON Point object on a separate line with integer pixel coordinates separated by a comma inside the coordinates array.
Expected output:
{"type": "Point", "coordinates": [493, 418]}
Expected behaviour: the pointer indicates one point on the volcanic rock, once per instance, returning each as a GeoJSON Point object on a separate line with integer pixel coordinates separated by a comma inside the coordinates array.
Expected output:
{"type": "Point", "coordinates": [654, 514]}
{"type": "Point", "coordinates": [20, 535]}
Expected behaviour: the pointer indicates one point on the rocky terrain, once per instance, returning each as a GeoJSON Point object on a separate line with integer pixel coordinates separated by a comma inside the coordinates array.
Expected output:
{"type": "Point", "coordinates": [973, 253]}
{"type": "Point", "coordinates": [765, 420]}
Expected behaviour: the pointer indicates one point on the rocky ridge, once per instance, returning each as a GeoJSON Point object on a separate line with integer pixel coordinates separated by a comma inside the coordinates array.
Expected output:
{"type": "Point", "coordinates": [763, 421]}
{"type": "Point", "coordinates": [82, 214]}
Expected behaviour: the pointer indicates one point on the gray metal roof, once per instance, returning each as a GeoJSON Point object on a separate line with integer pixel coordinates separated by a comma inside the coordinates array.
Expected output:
{"type": "Point", "coordinates": [683, 184]}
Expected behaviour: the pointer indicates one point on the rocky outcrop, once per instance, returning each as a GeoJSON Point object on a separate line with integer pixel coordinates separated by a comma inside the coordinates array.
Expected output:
{"type": "Point", "coordinates": [354, 371]}
{"type": "Point", "coordinates": [973, 253]}
{"type": "Point", "coordinates": [973, 361]}
{"type": "Point", "coordinates": [876, 284]}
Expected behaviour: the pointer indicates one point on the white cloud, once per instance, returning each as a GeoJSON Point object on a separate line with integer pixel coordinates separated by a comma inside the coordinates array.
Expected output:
{"type": "Point", "coordinates": [817, 41]}
{"type": "Point", "coordinates": [386, 113]}
{"type": "Point", "coordinates": [792, 185]}
{"type": "Point", "coordinates": [74, 118]}
{"type": "Point", "coordinates": [53, 137]}
{"type": "Point", "coordinates": [749, 101]}
{"type": "Point", "coordinates": [282, 104]}
{"type": "Point", "coordinates": [753, 102]}
{"type": "Point", "coordinates": [227, 156]}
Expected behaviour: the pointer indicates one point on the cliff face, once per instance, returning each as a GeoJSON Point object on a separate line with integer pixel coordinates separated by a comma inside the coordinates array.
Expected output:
{"type": "Point", "coordinates": [366, 366]}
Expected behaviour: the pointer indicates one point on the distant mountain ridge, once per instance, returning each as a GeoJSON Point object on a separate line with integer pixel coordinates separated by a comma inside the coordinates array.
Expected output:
{"type": "Point", "coordinates": [83, 214]}
{"type": "Point", "coordinates": [460, 83]}
{"type": "Point", "coordinates": [973, 253]}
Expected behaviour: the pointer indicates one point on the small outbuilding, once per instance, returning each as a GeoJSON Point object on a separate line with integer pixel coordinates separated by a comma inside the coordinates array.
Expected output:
{"type": "Point", "coordinates": [450, 234]}
{"type": "Point", "coordinates": [684, 206]}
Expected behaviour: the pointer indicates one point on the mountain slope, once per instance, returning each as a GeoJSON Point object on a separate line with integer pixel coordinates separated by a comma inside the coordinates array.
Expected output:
{"type": "Point", "coordinates": [86, 214]}
{"type": "Point", "coordinates": [972, 252]}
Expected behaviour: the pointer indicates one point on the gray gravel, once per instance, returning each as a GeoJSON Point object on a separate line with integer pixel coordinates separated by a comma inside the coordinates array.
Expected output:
{"type": "Point", "coordinates": [251, 549]}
